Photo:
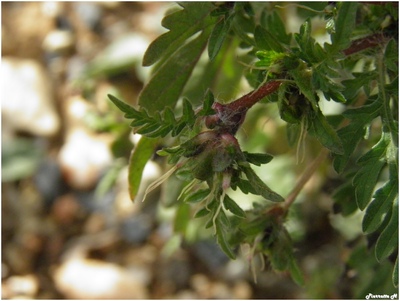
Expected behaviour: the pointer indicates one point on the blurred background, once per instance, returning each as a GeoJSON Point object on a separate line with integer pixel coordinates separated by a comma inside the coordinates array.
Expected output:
{"type": "Point", "coordinates": [69, 228]}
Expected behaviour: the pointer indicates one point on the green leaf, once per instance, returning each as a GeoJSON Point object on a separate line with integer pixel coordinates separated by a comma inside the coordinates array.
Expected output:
{"type": "Point", "coordinates": [257, 158]}
{"type": "Point", "coordinates": [243, 27]}
{"type": "Point", "coordinates": [188, 114]}
{"type": "Point", "coordinates": [276, 27]}
{"type": "Point", "coordinates": [258, 185]}
{"type": "Point", "coordinates": [207, 104]}
{"type": "Point", "coordinates": [202, 212]}
{"type": "Point", "coordinates": [380, 206]}
{"type": "Point", "coordinates": [20, 158]}
{"type": "Point", "coordinates": [392, 56]}
{"type": "Point", "coordinates": [137, 161]}
{"type": "Point", "coordinates": [130, 112]}
{"type": "Point", "coordinates": [222, 241]}
{"type": "Point", "coordinates": [295, 272]}
{"type": "Point", "coordinates": [218, 35]}
{"type": "Point", "coordinates": [197, 196]}
{"type": "Point", "coordinates": [166, 85]}
{"type": "Point", "coordinates": [182, 218]}
{"type": "Point", "coordinates": [233, 207]}
{"type": "Point", "coordinates": [367, 176]}
{"type": "Point", "coordinates": [353, 133]}
{"type": "Point", "coordinates": [266, 41]}
{"type": "Point", "coordinates": [182, 25]}
{"type": "Point", "coordinates": [344, 26]}
{"type": "Point", "coordinates": [319, 127]}
{"type": "Point", "coordinates": [302, 76]}
{"type": "Point", "coordinates": [389, 239]}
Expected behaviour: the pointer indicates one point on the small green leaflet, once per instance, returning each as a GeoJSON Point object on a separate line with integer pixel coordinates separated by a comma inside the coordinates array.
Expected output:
{"type": "Point", "coordinates": [380, 206]}
{"type": "Point", "coordinates": [137, 161]}
{"type": "Point", "coordinates": [222, 239]}
{"type": "Point", "coordinates": [159, 125]}
{"type": "Point", "coordinates": [182, 24]}
{"type": "Point", "coordinates": [371, 165]}
{"type": "Point", "coordinates": [257, 158]}
{"type": "Point", "coordinates": [388, 241]}
{"type": "Point", "coordinates": [233, 207]}
{"type": "Point", "coordinates": [218, 35]}
{"type": "Point", "coordinates": [258, 186]}
{"type": "Point", "coordinates": [353, 133]}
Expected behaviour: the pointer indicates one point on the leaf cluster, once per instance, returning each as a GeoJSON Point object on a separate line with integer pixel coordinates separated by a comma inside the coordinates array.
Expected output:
{"type": "Point", "coordinates": [362, 138]}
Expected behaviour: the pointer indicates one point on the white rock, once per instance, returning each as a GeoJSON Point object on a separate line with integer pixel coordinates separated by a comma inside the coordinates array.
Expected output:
{"type": "Point", "coordinates": [83, 157]}
{"type": "Point", "coordinates": [58, 41]}
{"type": "Point", "coordinates": [81, 278]}
{"type": "Point", "coordinates": [27, 103]}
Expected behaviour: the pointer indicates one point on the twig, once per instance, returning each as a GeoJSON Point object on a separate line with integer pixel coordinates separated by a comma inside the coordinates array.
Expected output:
{"type": "Point", "coordinates": [304, 178]}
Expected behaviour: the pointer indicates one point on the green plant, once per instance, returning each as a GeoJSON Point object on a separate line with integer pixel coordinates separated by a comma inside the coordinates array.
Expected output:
{"type": "Point", "coordinates": [357, 69]}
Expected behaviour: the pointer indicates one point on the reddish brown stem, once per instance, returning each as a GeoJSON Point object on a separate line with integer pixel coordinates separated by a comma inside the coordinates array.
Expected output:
{"type": "Point", "coordinates": [247, 101]}
{"type": "Point", "coordinates": [364, 43]}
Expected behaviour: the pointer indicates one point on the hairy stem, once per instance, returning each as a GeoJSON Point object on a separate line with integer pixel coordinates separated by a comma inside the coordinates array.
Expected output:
{"type": "Point", "coordinates": [304, 178]}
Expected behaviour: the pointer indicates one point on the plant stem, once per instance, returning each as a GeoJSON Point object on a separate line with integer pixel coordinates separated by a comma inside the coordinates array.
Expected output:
{"type": "Point", "coordinates": [364, 43]}
{"type": "Point", "coordinates": [247, 101]}
{"type": "Point", "coordinates": [304, 178]}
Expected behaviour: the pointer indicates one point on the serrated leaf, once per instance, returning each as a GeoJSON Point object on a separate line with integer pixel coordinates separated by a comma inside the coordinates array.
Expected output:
{"type": "Point", "coordinates": [167, 83]}
{"type": "Point", "coordinates": [233, 207]}
{"type": "Point", "coordinates": [319, 127]}
{"type": "Point", "coordinates": [380, 206]}
{"type": "Point", "coordinates": [344, 26]}
{"type": "Point", "coordinates": [367, 176]}
{"type": "Point", "coordinates": [222, 241]}
{"type": "Point", "coordinates": [388, 241]}
{"type": "Point", "coordinates": [257, 158]}
{"type": "Point", "coordinates": [137, 161]}
{"type": "Point", "coordinates": [353, 133]}
{"type": "Point", "coordinates": [218, 35]}
{"type": "Point", "coordinates": [182, 25]}
{"type": "Point", "coordinates": [258, 185]}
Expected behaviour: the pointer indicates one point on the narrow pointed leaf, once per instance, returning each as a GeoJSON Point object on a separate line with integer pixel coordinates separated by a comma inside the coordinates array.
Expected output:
{"type": "Point", "coordinates": [259, 186]}
{"type": "Point", "coordinates": [218, 35]}
{"type": "Point", "coordinates": [222, 241]}
{"type": "Point", "coordinates": [137, 161]}
{"type": "Point", "coordinates": [233, 207]}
